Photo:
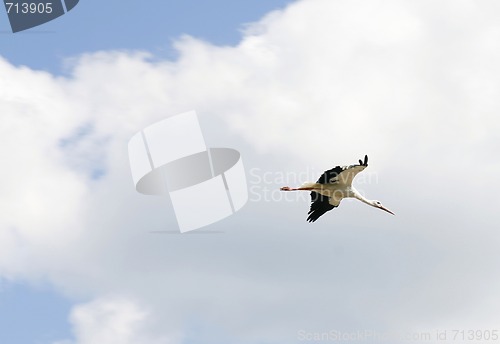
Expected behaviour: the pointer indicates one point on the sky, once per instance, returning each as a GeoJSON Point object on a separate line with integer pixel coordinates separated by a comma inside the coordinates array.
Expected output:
{"type": "Point", "coordinates": [297, 88]}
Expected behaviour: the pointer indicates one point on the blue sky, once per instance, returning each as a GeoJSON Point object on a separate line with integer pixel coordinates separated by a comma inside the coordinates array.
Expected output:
{"type": "Point", "coordinates": [30, 314]}
{"type": "Point", "coordinates": [37, 314]}
{"type": "Point", "coordinates": [321, 83]}
{"type": "Point", "coordinates": [114, 24]}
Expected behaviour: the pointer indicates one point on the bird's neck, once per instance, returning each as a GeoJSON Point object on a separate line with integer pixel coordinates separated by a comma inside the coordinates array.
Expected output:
{"type": "Point", "coordinates": [357, 195]}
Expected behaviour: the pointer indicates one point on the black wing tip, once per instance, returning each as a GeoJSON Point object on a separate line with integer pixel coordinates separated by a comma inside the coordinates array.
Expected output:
{"type": "Point", "coordinates": [365, 162]}
{"type": "Point", "coordinates": [312, 218]}
{"type": "Point", "coordinates": [319, 206]}
{"type": "Point", "coordinates": [316, 214]}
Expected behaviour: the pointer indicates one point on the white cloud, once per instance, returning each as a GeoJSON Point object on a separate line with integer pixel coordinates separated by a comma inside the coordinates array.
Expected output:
{"type": "Point", "coordinates": [115, 320]}
{"type": "Point", "coordinates": [413, 85]}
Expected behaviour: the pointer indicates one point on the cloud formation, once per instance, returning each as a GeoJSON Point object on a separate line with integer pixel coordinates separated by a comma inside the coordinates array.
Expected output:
{"type": "Point", "coordinates": [112, 321]}
{"type": "Point", "coordinates": [319, 83]}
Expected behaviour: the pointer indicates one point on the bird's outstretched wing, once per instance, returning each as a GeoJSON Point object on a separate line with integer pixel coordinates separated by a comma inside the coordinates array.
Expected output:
{"type": "Point", "coordinates": [342, 175]}
{"type": "Point", "coordinates": [320, 205]}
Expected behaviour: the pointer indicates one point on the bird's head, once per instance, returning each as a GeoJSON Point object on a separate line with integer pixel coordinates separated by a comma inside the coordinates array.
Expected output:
{"type": "Point", "coordinates": [379, 205]}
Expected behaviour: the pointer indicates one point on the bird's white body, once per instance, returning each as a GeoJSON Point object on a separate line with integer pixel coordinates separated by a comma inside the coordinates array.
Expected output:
{"type": "Point", "coordinates": [335, 192]}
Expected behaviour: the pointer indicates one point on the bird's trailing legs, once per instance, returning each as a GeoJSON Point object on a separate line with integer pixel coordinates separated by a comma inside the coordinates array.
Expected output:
{"type": "Point", "coordinates": [307, 186]}
{"type": "Point", "coordinates": [287, 188]}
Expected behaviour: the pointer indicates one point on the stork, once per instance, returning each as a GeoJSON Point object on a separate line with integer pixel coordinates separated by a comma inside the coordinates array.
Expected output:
{"type": "Point", "coordinates": [333, 186]}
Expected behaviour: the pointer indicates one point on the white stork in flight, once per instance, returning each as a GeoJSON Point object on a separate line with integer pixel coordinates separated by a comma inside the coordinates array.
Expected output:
{"type": "Point", "coordinates": [332, 187]}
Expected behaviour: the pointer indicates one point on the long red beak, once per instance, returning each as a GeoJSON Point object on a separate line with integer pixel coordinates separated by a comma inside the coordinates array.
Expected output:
{"type": "Point", "coordinates": [387, 210]}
